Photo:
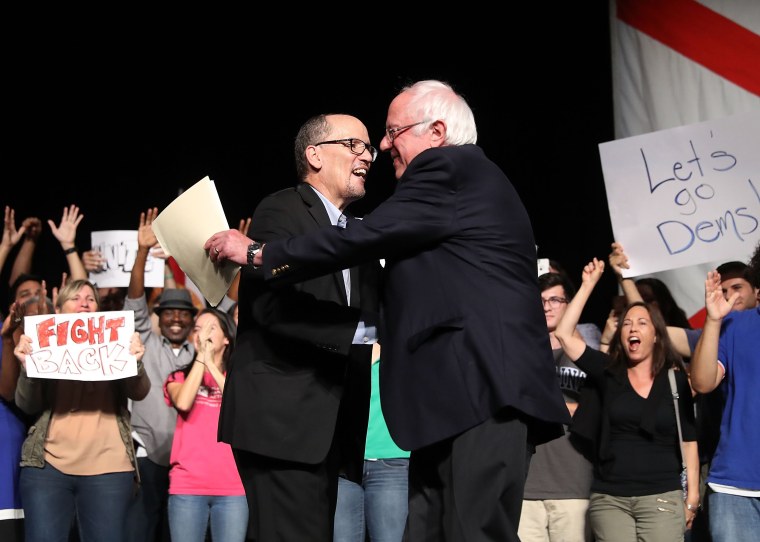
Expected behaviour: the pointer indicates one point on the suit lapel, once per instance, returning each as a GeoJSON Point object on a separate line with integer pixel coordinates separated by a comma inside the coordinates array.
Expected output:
{"type": "Point", "coordinates": [318, 212]}
{"type": "Point", "coordinates": [314, 205]}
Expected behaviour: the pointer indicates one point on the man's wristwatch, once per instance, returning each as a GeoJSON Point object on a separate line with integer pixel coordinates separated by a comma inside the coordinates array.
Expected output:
{"type": "Point", "coordinates": [253, 249]}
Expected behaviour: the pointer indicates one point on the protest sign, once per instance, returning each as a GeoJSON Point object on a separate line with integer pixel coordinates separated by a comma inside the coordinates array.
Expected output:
{"type": "Point", "coordinates": [119, 249]}
{"type": "Point", "coordinates": [91, 346]}
{"type": "Point", "coordinates": [687, 195]}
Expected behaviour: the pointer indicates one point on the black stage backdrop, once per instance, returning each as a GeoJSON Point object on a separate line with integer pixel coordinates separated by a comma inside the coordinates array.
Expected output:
{"type": "Point", "coordinates": [118, 131]}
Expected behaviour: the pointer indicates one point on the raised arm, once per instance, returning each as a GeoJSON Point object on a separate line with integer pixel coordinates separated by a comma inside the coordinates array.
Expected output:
{"type": "Point", "coordinates": [10, 237]}
{"type": "Point", "coordinates": [572, 344]}
{"type": "Point", "coordinates": [145, 240]}
{"type": "Point", "coordinates": [618, 261]}
{"type": "Point", "coordinates": [30, 230]}
{"type": "Point", "coordinates": [183, 394]}
{"type": "Point", "coordinates": [66, 233]}
{"type": "Point", "coordinates": [706, 372]}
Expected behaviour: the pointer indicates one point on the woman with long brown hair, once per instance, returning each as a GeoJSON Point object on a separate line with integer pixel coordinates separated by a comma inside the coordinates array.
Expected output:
{"type": "Point", "coordinates": [636, 494]}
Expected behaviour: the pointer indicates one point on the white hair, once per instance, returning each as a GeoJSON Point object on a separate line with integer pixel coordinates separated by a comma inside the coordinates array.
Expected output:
{"type": "Point", "coordinates": [435, 100]}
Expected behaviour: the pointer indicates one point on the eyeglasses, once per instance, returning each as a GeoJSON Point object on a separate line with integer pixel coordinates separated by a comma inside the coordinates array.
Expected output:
{"type": "Point", "coordinates": [554, 302]}
{"type": "Point", "coordinates": [392, 133]}
{"type": "Point", "coordinates": [356, 146]}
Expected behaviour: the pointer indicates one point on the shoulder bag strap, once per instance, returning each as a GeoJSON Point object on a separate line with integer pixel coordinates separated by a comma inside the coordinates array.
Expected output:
{"type": "Point", "coordinates": [674, 391]}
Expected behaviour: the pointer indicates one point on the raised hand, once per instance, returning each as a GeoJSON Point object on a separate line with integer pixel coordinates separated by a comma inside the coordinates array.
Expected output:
{"type": "Point", "coordinates": [11, 235]}
{"type": "Point", "coordinates": [592, 272]}
{"type": "Point", "coordinates": [31, 227]}
{"type": "Point", "coordinates": [145, 235]}
{"type": "Point", "coordinates": [54, 294]}
{"type": "Point", "coordinates": [23, 349]}
{"type": "Point", "coordinates": [66, 232]}
{"type": "Point", "coordinates": [159, 252]}
{"type": "Point", "coordinates": [618, 259]}
{"type": "Point", "coordinates": [245, 223]}
{"type": "Point", "coordinates": [93, 261]}
{"type": "Point", "coordinates": [204, 343]}
{"type": "Point", "coordinates": [13, 320]}
{"type": "Point", "coordinates": [715, 302]}
{"type": "Point", "coordinates": [42, 302]}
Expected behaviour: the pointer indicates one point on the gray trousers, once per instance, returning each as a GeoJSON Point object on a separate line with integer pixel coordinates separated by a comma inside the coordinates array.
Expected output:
{"type": "Point", "coordinates": [649, 518]}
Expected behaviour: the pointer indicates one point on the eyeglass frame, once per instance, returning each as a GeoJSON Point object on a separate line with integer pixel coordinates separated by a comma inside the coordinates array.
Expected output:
{"type": "Point", "coordinates": [348, 142]}
{"type": "Point", "coordinates": [554, 301]}
{"type": "Point", "coordinates": [393, 133]}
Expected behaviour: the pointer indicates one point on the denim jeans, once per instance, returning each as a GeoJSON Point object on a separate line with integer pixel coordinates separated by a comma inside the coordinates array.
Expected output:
{"type": "Point", "coordinates": [733, 517]}
{"type": "Point", "coordinates": [146, 517]}
{"type": "Point", "coordinates": [378, 506]}
{"type": "Point", "coordinates": [189, 517]}
{"type": "Point", "coordinates": [53, 499]}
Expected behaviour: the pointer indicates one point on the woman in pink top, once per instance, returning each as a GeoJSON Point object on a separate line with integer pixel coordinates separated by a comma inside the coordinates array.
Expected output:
{"type": "Point", "coordinates": [204, 484]}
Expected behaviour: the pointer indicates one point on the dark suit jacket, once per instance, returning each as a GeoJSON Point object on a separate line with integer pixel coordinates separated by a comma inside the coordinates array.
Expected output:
{"type": "Point", "coordinates": [295, 379]}
{"type": "Point", "coordinates": [465, 334]}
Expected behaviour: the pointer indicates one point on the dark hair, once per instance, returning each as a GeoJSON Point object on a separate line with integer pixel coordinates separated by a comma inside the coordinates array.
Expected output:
{"type": "Point", "coordinates": [549, 280]}
{"type": "Point", "coordinates": [312, 131]}
{"type": "Point", "coordinates": [664, 355]}
{"type": "Point", "coordinates": [559, 268]}
{"type": "Point", "coordinates": [734, 270]}
{"type": "Point", "coordinates": [23, 277]}
{"type": "Point", "coordinates": [671, 312]}
{"type": "Point", "coordinates": [229, 329]}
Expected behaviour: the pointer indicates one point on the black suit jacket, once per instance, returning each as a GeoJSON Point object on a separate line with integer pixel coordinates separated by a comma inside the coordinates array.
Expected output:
{"type": "Point", "coordinates": [295, 379]}
{"type": "Point", "coordinates": [465, 334]}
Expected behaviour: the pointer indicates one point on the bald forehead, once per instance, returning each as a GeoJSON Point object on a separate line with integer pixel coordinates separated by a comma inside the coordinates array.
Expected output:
{"type": "Point", "coordinates": [346, 126]}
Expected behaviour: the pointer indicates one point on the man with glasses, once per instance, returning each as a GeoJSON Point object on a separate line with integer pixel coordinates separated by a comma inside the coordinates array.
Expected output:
{"type": "Point", "coordinates": [296, 399]}
{"type": "Point", "coordinates": [468, 382]}
{"type": "Point", "coordinates": [558, 487]}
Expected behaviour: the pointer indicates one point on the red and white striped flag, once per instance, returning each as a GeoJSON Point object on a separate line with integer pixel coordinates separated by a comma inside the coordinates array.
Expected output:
{"type": "Point", "coordinates": [679, 62]}
{"type": "Point", "coordinates": [183, 281]}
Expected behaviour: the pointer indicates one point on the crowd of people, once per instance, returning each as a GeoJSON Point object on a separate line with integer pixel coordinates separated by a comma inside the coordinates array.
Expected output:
{"type": "Point", "coordinates": [494, 415]}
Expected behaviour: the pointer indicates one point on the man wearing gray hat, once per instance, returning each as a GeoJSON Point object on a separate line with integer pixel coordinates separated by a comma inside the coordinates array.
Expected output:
{"type": "Point", "coordinates": [152, 421]}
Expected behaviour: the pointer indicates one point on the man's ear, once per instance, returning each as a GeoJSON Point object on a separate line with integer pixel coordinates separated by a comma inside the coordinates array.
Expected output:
{"type": "Point", "coordinates": [312, 156]}
{"type": "Point", "coordinates": [438, 133]}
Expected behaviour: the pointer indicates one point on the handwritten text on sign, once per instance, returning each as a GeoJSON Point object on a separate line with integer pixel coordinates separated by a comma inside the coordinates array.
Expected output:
{"type": "Point", "coordinates": [81, 346]}
{"type": "Point", "coordinates": [685, 196]}
{"type": "Point", "coordinates": [119, 249]}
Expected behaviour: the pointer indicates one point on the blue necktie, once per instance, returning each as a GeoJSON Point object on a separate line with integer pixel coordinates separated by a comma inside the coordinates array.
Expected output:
{"type": "Point", "coordinates": [342, 221]}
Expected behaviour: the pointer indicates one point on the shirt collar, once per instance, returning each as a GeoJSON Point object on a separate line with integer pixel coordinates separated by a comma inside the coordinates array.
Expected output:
{"type": "Point", "coordinates": [332, 211]}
